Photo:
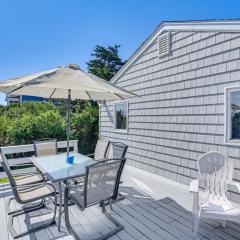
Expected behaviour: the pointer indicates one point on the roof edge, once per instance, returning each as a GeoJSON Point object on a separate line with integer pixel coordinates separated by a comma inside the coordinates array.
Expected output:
{"type": "Point", "coordinates": [231, 25]}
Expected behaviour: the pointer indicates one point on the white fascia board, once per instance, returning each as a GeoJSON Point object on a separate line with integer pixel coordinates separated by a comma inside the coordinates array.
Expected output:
{"type": "Point", "coordinates": [227, 26]}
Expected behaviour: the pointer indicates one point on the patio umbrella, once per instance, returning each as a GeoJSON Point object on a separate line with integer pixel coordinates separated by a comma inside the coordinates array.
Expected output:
{"type": "Point", "coordinates": [67, 82]}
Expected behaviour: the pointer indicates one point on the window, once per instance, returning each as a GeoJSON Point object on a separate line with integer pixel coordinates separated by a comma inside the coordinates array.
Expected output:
{"type": "Point", "coordinates": [120, 115]}
{"type": "Point", "coordinates": [164, 44]}
{"type": "Point", "coordinates": [233, 115]}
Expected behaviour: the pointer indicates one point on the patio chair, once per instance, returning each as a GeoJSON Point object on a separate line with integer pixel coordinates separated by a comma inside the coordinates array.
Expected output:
{"type": "Point", "coordinates": [28, 195]}
{"type": "Point", "coordinates": [100, 150]}
{"type": "Point", "coordinates": [45, 147]}
{"type": "Point", "coordinates": [99, 154]}
{"type": "Point", "coordinates": [116, 150]}
{"type": "Point", "coordinates": [216, 172]}
{"type": "Point", "coordinates": [22, 178]}
{"type": "Point", "coordinates": [100, 186]}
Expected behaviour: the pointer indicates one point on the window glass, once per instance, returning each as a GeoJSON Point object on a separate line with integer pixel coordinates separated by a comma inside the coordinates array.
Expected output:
{"type": "Point", "coordinates": [121, 115]}
{"type": "Point", "coordinates": [235, 114]}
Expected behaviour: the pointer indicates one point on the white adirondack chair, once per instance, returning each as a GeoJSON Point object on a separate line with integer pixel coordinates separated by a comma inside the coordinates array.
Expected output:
{"type": "Point", "coordinates": [216, 172]}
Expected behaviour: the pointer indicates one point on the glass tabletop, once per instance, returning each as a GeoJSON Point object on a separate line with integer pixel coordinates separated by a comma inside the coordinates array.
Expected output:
{"type": "Point", "coordinates": [56, 168]}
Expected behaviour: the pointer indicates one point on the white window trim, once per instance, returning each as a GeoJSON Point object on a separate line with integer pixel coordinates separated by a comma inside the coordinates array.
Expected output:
{"type": "Point", "coordinates": [228, 120]}
{"type": "Point", "coordinates": [114, 117]}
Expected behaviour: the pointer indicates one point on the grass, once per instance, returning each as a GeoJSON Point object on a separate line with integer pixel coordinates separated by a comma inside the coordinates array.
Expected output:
{"type": "Point", "coordinates": [4, 180]}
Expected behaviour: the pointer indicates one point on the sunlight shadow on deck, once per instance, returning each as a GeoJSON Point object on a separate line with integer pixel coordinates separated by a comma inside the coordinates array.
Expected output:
{"type": "Point", "coordinates": [150, 211]}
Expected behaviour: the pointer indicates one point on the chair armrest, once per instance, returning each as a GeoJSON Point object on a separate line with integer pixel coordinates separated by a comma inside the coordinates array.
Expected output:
{"type": "Point", "coordinates": [91, 154]}
{"type": "Point", "coordinates": [34, 185]}
{"type": "Point", "coordinates": [29, 174]}
{"type": "Point", "coordinates": [22, 174]}
{"type": "Point", "coordinates": [22, 164]}
{"type": "Point", "coordinates": [235, 184]}
{"type": "Point", "coordinates": [194, 186]}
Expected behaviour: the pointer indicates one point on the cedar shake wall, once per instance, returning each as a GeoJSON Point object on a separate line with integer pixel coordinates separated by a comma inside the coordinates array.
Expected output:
{"type": "Point", "coordinates": [179, 113]}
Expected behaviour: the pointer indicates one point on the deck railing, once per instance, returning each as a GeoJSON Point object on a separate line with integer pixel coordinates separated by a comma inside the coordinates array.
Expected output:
{"type": "Point", "coordinates": [28, 149]}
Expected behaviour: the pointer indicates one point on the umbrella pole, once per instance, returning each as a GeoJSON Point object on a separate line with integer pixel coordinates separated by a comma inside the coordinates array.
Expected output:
{"type": "Point", "coordinates": [68, 120]}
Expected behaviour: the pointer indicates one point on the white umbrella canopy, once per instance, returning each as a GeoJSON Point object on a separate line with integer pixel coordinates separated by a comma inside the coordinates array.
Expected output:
{"type": "Point", "coordinates": [67, 82]}
{"type": "Point", "coordinates": [56, 82]}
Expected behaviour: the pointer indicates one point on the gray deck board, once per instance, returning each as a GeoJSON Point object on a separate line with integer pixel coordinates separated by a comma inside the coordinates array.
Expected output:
{"type": "Point", "coordinates": [153, 209]}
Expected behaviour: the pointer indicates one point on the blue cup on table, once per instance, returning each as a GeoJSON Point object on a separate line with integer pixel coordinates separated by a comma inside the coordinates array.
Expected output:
{"type": "Point", "coordinates": [70, 159]}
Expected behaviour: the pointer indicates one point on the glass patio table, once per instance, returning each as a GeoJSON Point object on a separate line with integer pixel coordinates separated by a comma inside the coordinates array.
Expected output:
{"type": "Point", "coordinates": [57, 170]}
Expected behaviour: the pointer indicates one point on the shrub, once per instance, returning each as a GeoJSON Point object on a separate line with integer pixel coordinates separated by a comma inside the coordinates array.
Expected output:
{"type": "Point", "coordinates": [21, 124]}
{"type": "Point", "coordinates": [30, 127]}
{"type": "Point", "coordinates": [85, 128]}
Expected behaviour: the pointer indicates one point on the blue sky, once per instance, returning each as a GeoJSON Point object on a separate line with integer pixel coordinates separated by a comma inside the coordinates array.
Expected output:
{"type": "Point", "coordinates": [38, 35]}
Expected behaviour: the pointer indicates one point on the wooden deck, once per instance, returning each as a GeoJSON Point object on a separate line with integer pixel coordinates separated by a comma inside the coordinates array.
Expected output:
{"type": "Point", "coordinates": [154, 208]}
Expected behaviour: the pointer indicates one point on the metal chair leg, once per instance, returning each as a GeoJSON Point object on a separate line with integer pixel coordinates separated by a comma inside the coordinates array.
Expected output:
{"type": "Point", "coordinates": [118, 228]}
{"type": "Point", "coordinates": [119, 198]}
{"type": "Point", "coordinates": [24, 208]}
{"type": "Point", "coordinates": [33, 229]}
{"type": "Point", "coordinates": [105, 236]}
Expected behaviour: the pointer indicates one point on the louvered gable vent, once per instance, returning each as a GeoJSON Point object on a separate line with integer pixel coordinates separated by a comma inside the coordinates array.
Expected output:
{"type": "Point", "coordinates": [164, 44]}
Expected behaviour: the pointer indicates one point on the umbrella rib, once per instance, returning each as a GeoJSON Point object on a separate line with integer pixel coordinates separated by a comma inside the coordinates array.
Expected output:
{"type": "Point", "coordinates": [15, 90]}
{"type": "Point", "coordinates": [119, 96]}
{"type": "Point", "coordinates": [88, 95]}
{"type": "Point", "coordinates": [52, 93]}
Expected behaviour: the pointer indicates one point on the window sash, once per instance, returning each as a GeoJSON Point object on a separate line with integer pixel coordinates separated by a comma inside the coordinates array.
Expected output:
{"type": "Point", "coordinates": [229, 115]}
{"type": "Point", "coordinates": [117, 107]}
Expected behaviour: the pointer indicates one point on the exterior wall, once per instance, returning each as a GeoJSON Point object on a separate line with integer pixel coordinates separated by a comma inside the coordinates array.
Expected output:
{"type": "Point", "coordinates": [23, 98]}
{"type": "Point", "coordinates": [179, 113]}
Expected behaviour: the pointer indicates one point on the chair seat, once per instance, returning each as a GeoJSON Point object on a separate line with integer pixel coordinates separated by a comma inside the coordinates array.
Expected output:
{"type": "Point", "coordinates": [36, 192]}
{"type": "Point", "coordinates": [215, 203]}
{"type": "Point", "coordinates": [220, 208]}
{"type": "Point", "coordinates": [29, 178]}
{"type": "Point", "coordinates": [228, 215]}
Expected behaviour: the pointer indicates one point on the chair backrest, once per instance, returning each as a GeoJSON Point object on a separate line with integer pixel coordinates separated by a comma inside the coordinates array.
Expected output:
{"type": "Point", "coordinates": [101, 149]}
{"type": "Point", "coordinates": [116, 150]}
{"type": "Point", "coordinates": [102, 180]}
{"type": "Point", "coordinates": [216, 171]}
{"type": "Point", "coordinates": [45, 147]}
{"type": "Point", "coordinates": [7, 170]}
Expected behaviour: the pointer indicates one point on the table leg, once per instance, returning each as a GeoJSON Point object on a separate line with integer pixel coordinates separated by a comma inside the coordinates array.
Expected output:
{"type": "Point", "coordinates": [60, 206]}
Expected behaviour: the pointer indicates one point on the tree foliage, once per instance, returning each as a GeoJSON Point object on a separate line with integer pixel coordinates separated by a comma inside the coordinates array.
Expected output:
{"type": "Point", "coordinates": [106, 61]}
{"type": "Point", "coordinates": [26, 122]}
{"type": "Point", "coordinates": [23, 123]}
{"type": "Point", "coordinates": [85, 127]}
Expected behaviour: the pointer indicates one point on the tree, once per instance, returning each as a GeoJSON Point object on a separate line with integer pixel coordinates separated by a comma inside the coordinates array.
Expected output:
{"type": "Point", "coordinates": [106, 61]}
{"type": "Point", "coordinates": [29, 121]}
{"type": "Point", "coordinates": [85, 127]}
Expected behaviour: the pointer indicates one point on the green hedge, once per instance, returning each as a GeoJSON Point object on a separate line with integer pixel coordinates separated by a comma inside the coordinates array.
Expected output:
{"type": "Point", "coordinates": [21, 124]}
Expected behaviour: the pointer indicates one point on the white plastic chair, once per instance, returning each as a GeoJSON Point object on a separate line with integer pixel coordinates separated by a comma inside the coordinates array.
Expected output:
{"type": "Point", "coordinates": [216, 172]}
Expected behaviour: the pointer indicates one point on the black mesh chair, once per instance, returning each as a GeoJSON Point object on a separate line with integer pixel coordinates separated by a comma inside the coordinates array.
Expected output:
{"type": "Point", "coordinates": [28, 195]}
{"type": "Point", "coordinates": [116, 150]}
{"type": "Point", "coordinates": [100, 186]}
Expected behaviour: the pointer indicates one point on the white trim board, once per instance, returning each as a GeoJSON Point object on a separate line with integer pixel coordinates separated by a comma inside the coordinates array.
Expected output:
{"type": "Point", "coordinates": [188, 26]}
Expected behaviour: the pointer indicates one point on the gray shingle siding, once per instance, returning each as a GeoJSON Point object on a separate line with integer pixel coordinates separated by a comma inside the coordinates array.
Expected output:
{"type": "Point", "coordinates": [179, 113]}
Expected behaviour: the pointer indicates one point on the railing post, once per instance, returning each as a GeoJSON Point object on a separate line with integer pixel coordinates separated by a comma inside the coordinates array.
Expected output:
{"type": "Point", "coordinates": [75, 146]}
